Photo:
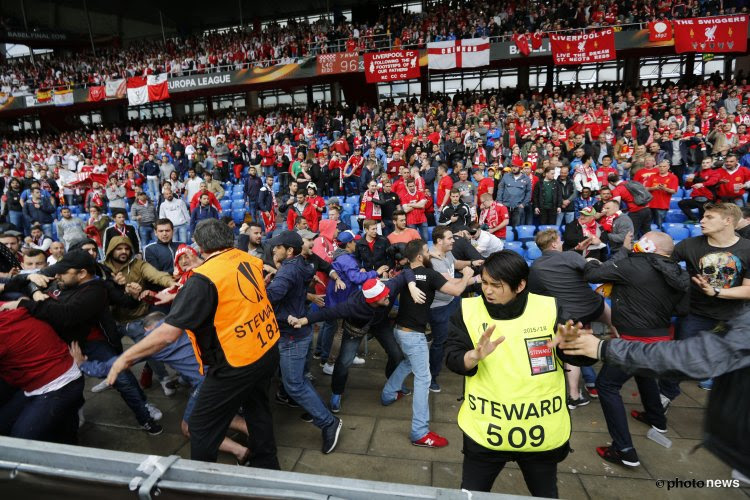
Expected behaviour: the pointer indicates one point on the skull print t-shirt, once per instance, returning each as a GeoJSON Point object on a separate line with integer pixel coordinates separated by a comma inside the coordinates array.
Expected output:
{"type": "Point", "coordinates": [723, 267]}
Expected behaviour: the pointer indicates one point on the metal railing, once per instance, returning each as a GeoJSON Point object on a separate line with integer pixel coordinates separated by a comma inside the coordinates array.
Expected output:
{"type": "Point", "coordinates": [33, 469]}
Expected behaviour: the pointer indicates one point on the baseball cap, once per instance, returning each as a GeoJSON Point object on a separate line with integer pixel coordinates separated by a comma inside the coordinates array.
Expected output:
{"type": "Point", "coordinates": [588, 211]}
{"type": "Point", "coordinates": [306, 234]}
{"type": "Point", "coordinates": [75, 259]}
{"type": "Point", "coordinates": [345, 237]}
{"type": "Point", "coordinates": [374, 290]}
{"type": "Point", "coordinates": [287, 239]}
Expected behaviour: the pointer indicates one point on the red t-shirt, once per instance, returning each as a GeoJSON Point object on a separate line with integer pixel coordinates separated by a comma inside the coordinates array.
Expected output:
{"type": "Point", "coordinates": [733, 184]}
{"type": "Point", "coordinates": [445, 184]}
{"type": "Point", "coordinates": [484, 187]}
{"type": "Point", "coordinates": [643, 174]}
{"type": "Point", "coordinates": [661, 198]}
{"type": "Point", "coordinates": [625, 196]}
{"type": "Point", "coordinates": [416, 216]}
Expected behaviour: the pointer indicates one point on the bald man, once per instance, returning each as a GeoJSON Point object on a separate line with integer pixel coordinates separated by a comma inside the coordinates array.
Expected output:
{"type": "Point", "coordinates": [648, 289]}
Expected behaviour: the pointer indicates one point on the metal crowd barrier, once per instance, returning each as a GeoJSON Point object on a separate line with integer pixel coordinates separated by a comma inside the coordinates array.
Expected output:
{"type": "Point", "coordinates": [39, 471]}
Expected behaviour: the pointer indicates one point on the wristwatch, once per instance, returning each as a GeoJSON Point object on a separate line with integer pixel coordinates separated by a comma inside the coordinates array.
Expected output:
{"type": "Point", "coordinates": [717, 290]}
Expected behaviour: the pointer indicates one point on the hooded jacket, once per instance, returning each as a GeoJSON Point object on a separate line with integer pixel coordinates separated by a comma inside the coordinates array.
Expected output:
{"type": "Point", "coordinates": [723, 357]}
{"type": "Point", "coordinates": [135, 271]}
{"type": "Point", "coordinates": [648, 290]}
{"type": "Point", "coordinates": [347, 267]}
{"type": "Point", "coordinates": [287, 293]}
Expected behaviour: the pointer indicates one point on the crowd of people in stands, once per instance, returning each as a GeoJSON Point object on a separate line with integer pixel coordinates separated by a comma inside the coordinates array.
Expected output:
{"type": "Point", "coordinates": [344, 194]}
{"type": "Point", "coordinates": [273, 43]}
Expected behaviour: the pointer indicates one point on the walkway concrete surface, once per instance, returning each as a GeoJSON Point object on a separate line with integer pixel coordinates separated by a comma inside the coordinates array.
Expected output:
{"type": "Point", "coordinates": [374, 442]}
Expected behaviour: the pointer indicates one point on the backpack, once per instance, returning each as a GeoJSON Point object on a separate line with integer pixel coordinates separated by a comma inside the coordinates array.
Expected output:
{"type": "Point", "coordinates": [641, 196]}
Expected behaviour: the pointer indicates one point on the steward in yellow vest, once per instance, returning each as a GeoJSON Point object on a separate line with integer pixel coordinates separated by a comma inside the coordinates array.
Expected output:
{"type": "Point", "coordinates": [514, 406]}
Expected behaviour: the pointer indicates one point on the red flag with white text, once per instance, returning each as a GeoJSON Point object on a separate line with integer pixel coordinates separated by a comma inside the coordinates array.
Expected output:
{"type": "Point", "coordinates": [522, 42]}
{"type": "Point", "coordinates": [711, 34]}
{"type": "Point", "coordinates": [597, 46]}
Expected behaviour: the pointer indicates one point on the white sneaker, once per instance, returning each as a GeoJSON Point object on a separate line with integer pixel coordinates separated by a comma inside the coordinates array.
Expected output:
{"type": "Point", "coordinates": [101, 386]}
{"type": "Point", "coordinates": [358, 361]}
{"type": "Point", "coordinates": [328, 369]}
{"type": "Point", "coordinates": [665, 402]}
{"type": "Point", "coordinates": [154, 412]}
{"type": "Point", "coordinates": [168, 386]}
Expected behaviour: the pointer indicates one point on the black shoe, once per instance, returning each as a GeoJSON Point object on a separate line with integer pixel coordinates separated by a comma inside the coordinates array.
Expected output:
{"type": "Point", "coordinates": [628, 458]}
{"type": "Point", "coordinates": [152, 428]}
{"type": "Point", "coordinates": [331, 435]}
{"type": "Point", "coordinates": [285, 401]}
{"type": "Point", "coordinates": [641, 417]}
{"type": "Point", "coordinates": [575, 403]}
{"type": "Point", "coordinates": [306, 417]}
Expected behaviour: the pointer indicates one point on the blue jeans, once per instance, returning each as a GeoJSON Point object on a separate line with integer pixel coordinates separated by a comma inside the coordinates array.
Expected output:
{"type": "Point", "coordinates": [136, 331]}
{"type": "Point", "coordinates": [146, 233]}
{"type": "Point", "coordinates": [414, 346]}
{"type": "Point", "coordinates": [292, 356]}
{"type": "Point", "coordinates": [252, 207]}
{"type": "Point", "coordinates": [439, 320]}
{"type": "Point", "coordinates": [422, 228]}
{"type": "Point", "coordinates": [126, 384]}
{"type": "Point", "coordinates": [48, 417]}
{"type": "Point", "coordinates": [153, 187]}
{"type": "Point", "coordinates": [659, 216]}
{"type": "Point", "coordinates": [16, 218]}
{"type": "Point", "coordinates": [349, 346]}
{"type": "Point", "coordinates": [47, 230]}
{"type": "Point", "coordinates": [181, 234]}
{"type": "Point", "coordinates": [688, 326]}
{"type": "Point", "coordinates": [325, 338]}
{"type": "Point", "coordinates": [566, 217]}
{"type": "Point", "coordinates": [589, 375]}
{"type": "Point", "coordinates": [609, 383]}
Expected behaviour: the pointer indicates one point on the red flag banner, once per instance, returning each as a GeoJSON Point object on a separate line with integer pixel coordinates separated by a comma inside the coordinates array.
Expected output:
{"type": "Point", "coordinates": [711, 34]}
{"type": "Point", "coordinates": [96, 93]}
{"type": "Point", "coordinates": [522, 42]}
{"type": "Point", "coordinates": [592, 47]}
{"type": "Point", "coordinates": [659, 31]}
{"type": "Point", "coordinates": [390, 66]}
{"type": "Point", "coordinates": [536, 40]}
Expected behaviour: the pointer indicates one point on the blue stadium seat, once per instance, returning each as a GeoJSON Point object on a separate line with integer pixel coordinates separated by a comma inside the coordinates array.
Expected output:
{"type": "Point", "coordinates": [237, 204]}
{"type": "Point", "coordinates": [225, 204]}
{"type": "Point", "coordinates": [429, 233]}
{"type": "Point", "coordinates": [516, 246]}
{"type": "Point", "coordinates": [675, 216]}
{"type": "Point", "coordinates": [549, 226]}
{"type": "Point", "coordinates": [509, 234]}
{"type": "Point", "coordinates": [354, 223]}
{"type": "Point", "coordinates": [348, 208]}
{"type": "Point", "coordinates": [533, 253]}
{"type": "Point", "coordinates": [673, 202]}
{"type": "Point", "coordinates": [654, 227]}
{"type": "Point", "coordinates": [238, 216]}
{"type": "Point", "coordinates": [678, 233]}
{"type": "Point", "coordinates": [695, 230]}
{"type": "Point", "coordinates": [525, 233]}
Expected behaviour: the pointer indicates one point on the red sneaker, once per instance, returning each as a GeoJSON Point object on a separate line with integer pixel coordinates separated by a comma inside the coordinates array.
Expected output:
{"type": "Point", "coordinates": [431, 440]}
{"type": "Point", "coordinates": [146, 377]}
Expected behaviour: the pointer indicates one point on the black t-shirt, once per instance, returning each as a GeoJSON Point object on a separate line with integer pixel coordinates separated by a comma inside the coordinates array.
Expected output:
{"type": "Point", "coordinates": [194, 309]}
{"type": "Point", "coordinates": [464, 250]}
{"type": "Point", "coordinates": [724, 268]}
{"type": "Point", "coordinates": [744, 232]}
{"type": "Point", "coordinates": [416, 316]}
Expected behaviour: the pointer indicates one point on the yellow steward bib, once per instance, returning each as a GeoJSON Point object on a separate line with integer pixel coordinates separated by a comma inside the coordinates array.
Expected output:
{"type": "Point", "coordinates": [516, 399]}
{"type": "Point", "coordinates": [245, 322]}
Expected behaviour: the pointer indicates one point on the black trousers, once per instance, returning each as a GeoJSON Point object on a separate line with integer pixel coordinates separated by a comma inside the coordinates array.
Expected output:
{"type": "Point", "coordinates": [219, 400]}
{"type": "Point", "coordinates": [688, 205]}
{"type": "Point", "coordinates": [539, 469]}
{"type": "Point", "coordinates": [547, 216]}
{"type": "Point", "coordinates": [641, 222]}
